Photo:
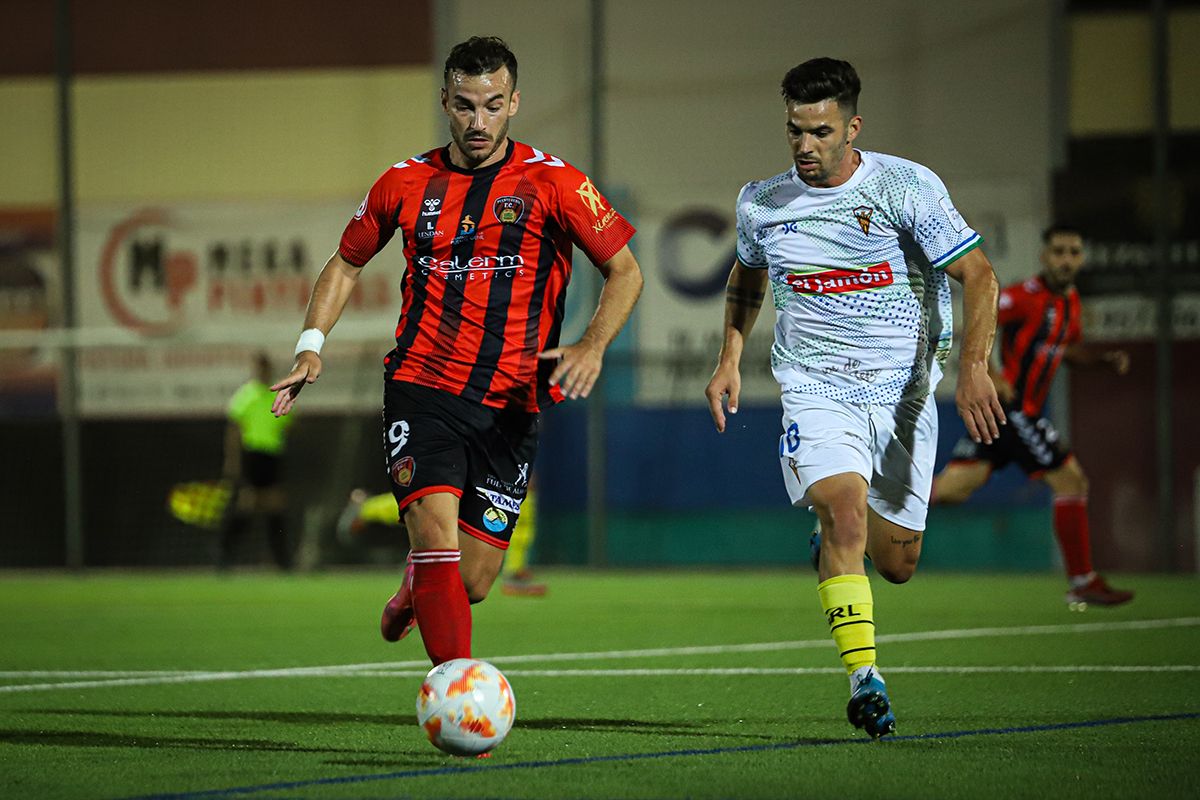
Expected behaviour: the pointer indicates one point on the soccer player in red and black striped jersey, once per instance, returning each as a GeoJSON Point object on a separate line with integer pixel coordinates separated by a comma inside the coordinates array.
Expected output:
{"type": "Point", "coordinates": [487, 224]}
{"type": "Point", "coordinates": [1040, 328]}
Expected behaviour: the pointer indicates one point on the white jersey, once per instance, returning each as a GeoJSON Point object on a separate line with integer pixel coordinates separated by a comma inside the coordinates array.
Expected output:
{"type": "Point", "coordinates": [863, 310]}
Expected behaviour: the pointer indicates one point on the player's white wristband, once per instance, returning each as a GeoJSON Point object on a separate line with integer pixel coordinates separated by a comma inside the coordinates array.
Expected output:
{"type": "Point", "coordinates": [310, 339]}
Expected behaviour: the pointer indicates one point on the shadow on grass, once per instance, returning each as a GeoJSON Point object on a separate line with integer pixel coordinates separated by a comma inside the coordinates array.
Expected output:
{"type": "Point", "coordinates": [40, 738]}
{"type": "Point", "coordinates": [639, 726]}
{"type": "Point", "coordinates": [289, 717]}
{"type": "Point", "coordinates": [633, 726]}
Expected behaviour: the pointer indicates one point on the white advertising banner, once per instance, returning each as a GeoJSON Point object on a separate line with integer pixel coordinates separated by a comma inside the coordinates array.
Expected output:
{"type": "Point", "coordinates": [177, 300]}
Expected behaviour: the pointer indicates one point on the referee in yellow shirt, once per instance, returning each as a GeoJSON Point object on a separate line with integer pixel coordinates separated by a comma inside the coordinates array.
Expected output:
{"type": "Point", "coordinates": [254, 442]}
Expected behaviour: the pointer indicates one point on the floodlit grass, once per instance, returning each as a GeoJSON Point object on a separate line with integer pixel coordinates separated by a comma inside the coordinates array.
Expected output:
{"type": "Point", "coordinates": [135, 684]}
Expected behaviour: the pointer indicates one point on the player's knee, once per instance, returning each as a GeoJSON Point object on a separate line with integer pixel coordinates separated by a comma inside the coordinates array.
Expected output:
{"type": "Point", "coordinates": [843, 520]}
{"type": "Point", "coordinates": [897, 572]}
{"type": "Point", "coordinates": [477, 581]}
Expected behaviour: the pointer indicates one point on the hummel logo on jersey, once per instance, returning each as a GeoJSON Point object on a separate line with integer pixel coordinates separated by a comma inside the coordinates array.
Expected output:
{"type": "Point", "coordinates": [591, 198]}
{"type": "Point", "coordinates": [863, 215]}
{"type": "Point", "coordinates": [415, 159]}
{"type": "Point", "coordinates": [838, 281]}
{"type": "Point", "coordinates": [544, 158]}
{"type": "Point", "coordinates": [432, 203]}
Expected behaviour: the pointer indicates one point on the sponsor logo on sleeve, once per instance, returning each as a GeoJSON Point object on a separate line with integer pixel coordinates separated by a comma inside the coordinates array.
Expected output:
{"type": "Point", "coordinates": [956, 219]}
{"type": "Point", "coordinates": [590, 197]}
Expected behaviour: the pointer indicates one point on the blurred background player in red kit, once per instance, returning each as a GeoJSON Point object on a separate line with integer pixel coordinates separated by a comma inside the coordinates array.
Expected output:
{"type": "Point", "coordinates": [1040, 328]}
{"type": "Point", "coordinates": [487, 226]}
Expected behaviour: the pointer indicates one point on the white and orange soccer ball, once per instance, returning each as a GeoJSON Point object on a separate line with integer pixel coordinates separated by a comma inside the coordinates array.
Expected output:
{"type": "Point", "coordinates": [466, 707]}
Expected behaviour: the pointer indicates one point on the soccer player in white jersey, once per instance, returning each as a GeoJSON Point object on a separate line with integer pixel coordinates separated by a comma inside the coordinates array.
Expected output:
{"type": "Point", "coordinates": [856, 247]}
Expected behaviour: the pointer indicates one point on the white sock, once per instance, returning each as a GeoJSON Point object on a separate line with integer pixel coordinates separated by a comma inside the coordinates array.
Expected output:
{"type": "Point", "coordinates": [862, 674]}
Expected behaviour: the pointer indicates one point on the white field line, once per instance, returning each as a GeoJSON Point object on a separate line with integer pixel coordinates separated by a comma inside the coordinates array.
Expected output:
{"type": "Point", "coordinates": [702, 671]}
{"type": "Point", "coordinates": [396, 669]}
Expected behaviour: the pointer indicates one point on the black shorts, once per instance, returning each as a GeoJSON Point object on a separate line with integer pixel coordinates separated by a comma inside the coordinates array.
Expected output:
{"type": "Point", "coordinates": [434, 441]}
{"type": "Point", "coordinates": [1031, 442]}
{"type": "Point", "coordinates": [260, 470]}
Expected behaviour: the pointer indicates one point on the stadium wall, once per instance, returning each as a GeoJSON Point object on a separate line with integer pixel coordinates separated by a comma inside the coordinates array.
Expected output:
{"type": "Point", "coordinates": [177, 109]}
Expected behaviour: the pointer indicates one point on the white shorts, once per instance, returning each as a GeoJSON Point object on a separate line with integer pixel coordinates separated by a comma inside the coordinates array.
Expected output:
{"type": "Point", "coordinates": [891, 446]}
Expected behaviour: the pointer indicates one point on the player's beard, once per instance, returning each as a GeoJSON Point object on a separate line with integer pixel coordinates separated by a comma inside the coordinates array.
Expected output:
{"type": "Point", "coordinates": [474, 160]}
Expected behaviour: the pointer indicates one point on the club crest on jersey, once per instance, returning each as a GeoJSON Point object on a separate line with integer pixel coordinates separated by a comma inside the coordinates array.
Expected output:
{"type": "Point", "coordinates": [863, 215]}
{"type": "Point", "coordinates": [508, 209]}
{"type": "Point", "coordinates": [403, 471]}
{"type": "Point", "coordinates": [839, 281]}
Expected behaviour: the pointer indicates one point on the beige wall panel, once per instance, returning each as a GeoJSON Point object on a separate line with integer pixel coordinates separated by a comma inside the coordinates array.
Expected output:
{"type": "Point", "coordinates": [1185, 70]}
{"type": "Point", "coordinates": [28, 143]}
{"type": "Point", "coordinates": [249, 135]}
{"type": "Point", "coordinates": [1110, 74]}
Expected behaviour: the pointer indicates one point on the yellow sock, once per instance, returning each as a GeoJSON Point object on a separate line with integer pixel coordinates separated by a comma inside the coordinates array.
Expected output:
{"type": "Point", "coordinates": [849, 609]}
{"type": "Point", "coordinates": [517, 555]}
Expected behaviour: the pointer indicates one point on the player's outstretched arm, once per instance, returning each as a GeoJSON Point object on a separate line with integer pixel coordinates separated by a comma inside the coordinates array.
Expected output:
{"type": "Point", "coordinates": [976, 397]}
{"type": "Point", "coordinates": [579, 364]}
{"type": "Point", "coordinates": [1086, 355]}
{"type": "Point", "coordinates": [329, 295]}
{"type": "Point", "coordinates": [743, 298]}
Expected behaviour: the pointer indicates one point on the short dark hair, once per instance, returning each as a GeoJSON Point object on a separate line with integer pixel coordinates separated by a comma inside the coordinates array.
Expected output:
{"type": "Point", "coordinates": [823, 79]}
{"type": "Point", "coordinates": [1060, 227]}
{"type": "Point", "coordinates": [480, 55]}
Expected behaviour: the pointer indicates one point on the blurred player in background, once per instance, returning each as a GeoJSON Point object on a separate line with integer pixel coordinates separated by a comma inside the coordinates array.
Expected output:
{"type": "Point", "coordinates": [855, 247]}
{"type": "Point", "coordinates": [487, 224]}
{"type": "Point", "coordinates": [1040, 328]}
{"type": "Point", "coordinates": [373, 521]}
{"type": "Point", "coordinates": [254, 442]}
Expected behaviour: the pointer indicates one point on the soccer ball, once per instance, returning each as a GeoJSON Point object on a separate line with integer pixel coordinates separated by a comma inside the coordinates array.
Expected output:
{"type": "Point", "coordinates": [466, 707]}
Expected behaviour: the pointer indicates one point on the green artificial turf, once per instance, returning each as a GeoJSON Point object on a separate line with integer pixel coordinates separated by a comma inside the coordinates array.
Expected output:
{"type": "Point", "coordinates": [68, 729]}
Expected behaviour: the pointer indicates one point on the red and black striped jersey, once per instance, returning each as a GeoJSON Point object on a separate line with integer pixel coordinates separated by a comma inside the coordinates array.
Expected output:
{"type": "Point", "coordinates": [1036, 327]}
{"type": "Point", "coordinates": [489, 259]}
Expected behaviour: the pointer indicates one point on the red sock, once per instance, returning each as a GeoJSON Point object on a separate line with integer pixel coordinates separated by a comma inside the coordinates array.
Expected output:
{"type": "Point", "coordinates": [441, 605]}
{"type": "Point", "coordinates": [1071, 528]}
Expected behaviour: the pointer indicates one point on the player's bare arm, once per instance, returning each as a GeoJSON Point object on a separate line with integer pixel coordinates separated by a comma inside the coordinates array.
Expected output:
{"type": "Point", "coordinates": [329, 295]}
{"type": "Point", "coordinates": [1004, 389]}
{"type": "Point", "coordinates": [744, 294]}
{"type": "Point", "coordinates": [579, 364]}
{"type": "Point", "coordinates": [976, 396]}
{"type": "Point", "coordinates": [1087, 355]}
